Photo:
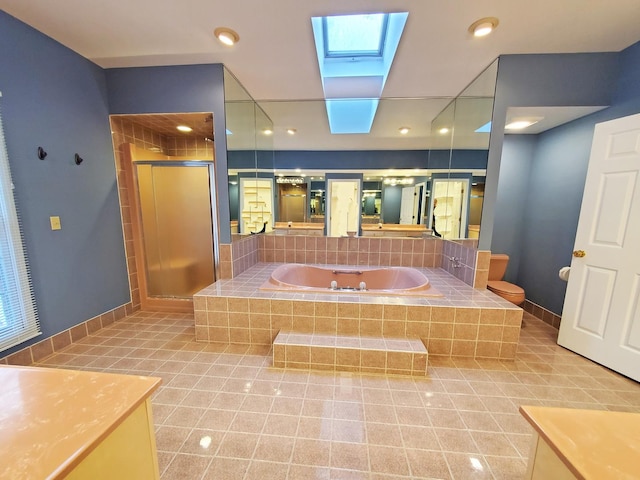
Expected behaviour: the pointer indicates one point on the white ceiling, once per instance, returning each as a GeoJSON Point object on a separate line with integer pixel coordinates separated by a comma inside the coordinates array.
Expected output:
{"type": "Point", "coordinates": [275, 58]}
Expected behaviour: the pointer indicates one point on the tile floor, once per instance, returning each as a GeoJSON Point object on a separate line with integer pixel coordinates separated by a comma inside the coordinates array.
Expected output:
{"type": "Point", "coordinates": [225, 413]}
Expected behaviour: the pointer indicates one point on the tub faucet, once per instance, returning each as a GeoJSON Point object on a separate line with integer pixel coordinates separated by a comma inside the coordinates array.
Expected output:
{"type": "Point", "coordinates": [334, 285]}
{"type": "Point", "coordinates": [455, 261]}
{"type": "Point", "coordinates": [363, 286]}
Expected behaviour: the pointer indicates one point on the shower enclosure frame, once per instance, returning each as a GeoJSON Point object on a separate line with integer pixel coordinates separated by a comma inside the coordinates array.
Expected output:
{"type": "Point", "coordinates": [133, 157]}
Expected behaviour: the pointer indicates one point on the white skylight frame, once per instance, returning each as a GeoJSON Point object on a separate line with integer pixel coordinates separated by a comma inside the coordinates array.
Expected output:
{"type": "Point", "coordinates": [362, 80]}
{"type": "Point", "coordinates": [380, 37]}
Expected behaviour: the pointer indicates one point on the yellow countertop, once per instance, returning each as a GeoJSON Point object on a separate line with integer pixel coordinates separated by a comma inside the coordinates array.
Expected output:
{"type": "Point", "coordinates": [51, 419]}
{"type": "Point", "coordinates": [593, 444]}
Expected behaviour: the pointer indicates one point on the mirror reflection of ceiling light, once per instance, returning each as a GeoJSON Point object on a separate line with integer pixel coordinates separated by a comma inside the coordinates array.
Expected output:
{"type": "Point", "coordinates": [267, 131]}
{"type": "Point", "coordinates": [226, 36]}
{"type": "Point", "coordinates": [291, 131]}
{"type": "Point", "coordinates": [398, 181]}
{"type": "Point", "coordinates": [483, 27]}
{"type": "Point", "coordinates": [443, 131]}
{"type": "Point", "coordinates": [521, 123]}
{"type": "Point", "coordinates": [184, 128]}
{"type": "Point", "coordinates": [404, 130]}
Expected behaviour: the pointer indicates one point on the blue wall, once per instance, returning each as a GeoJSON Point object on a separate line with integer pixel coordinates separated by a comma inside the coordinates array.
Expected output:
{"type": "Point", "coordinates": [366, 159]}
{"type": "Point", "coordinates": [584, 79]}
{"type": "Point", "coordinates": [52, 97]}
{"type": "Point", "coordinates": [553, 188]}
{"type": "Point", "coordinates": [513, 185]}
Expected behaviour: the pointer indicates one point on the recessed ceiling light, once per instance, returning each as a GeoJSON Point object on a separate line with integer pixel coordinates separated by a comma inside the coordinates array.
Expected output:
{"type": "Point", "coordinates": [404, 130]}
{"type": "Point", "coordinates": [521, 123]}
{"type": "Point", "coordinates": [298, 170]}
{"type": "Point", "coordinates": [443, 131]}
{"type": "Point", "coordinates": [291, 131]}
{"type": "Point", "coordinates": [184, 128]}
{"type": "Point", "coordinates": [483, 27]}
{"type": "Point", "coordinates": [226, 36]}
{"type": "Point", "coordinates": [267, 131]}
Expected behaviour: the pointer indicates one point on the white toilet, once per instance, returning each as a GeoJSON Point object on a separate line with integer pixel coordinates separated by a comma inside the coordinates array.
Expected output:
{"type": "Point", "coordinates": [497, 269]}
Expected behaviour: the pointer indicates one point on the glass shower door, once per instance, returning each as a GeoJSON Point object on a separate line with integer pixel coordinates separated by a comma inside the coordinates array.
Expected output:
{"type": "Point", "coordinates": [175, 203]}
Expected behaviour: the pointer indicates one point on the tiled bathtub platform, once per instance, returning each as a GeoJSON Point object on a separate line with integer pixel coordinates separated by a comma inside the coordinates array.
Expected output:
{"type": "Point", "coordinates": [466, 322]}
{"type": "Point", "coordinates": [350, 353]}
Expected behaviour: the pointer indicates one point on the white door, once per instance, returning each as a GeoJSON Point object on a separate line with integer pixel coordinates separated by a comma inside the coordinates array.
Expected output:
{"type": "Point", "coordinates": [601, 314]}
{"type": "Point", "coordinates": [343, 207]}
{"type": "Point", "coordinates": [406, 205]}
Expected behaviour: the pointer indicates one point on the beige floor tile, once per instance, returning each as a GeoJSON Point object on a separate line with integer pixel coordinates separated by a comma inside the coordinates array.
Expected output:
{"type": "Point", "coordinates": [349, 456]}
{"type": "Point", "coordinates": [227, 468]}
{"type": "Point", "coordinates": [274, 448]}
{"type": "Point", "coordinates": [186, 467]}
{"type": "Point", "coordinates": [311, 452]}
{"type": "Point", "coordinates": [259, 470]}
{"type": "Point", "coordinates": [388, 460]}
{"type": "Point", "coordinates": [428, 464]}
{"type": "Point", "coordinates": [223, 412]}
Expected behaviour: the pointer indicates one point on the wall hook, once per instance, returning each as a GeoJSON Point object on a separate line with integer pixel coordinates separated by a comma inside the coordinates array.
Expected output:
{"type": "Point", "coordinates": [78, 159]}
{"type": "Point", "coordinates": [41, 153]}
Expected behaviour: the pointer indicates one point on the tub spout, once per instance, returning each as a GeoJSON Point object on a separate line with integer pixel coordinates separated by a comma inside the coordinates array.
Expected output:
{"type": "Point", "coordinates": [347, 272]}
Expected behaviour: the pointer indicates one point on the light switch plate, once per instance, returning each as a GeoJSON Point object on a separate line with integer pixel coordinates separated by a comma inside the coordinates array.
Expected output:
{"type": "Point", "coordinates": [55, 223]}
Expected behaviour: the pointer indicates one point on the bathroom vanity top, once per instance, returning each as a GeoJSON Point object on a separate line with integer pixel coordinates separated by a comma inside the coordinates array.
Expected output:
{"type": "Point", "coordinates": [51, 419]}
{"type": "Point", "coordinates": [592, 444]}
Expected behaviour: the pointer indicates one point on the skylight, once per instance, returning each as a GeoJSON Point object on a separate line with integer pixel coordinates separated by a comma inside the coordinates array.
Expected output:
{"type": "Point", "coordinates": [355, 53]}
{"type": "Point", "coordinates": [354, 35]}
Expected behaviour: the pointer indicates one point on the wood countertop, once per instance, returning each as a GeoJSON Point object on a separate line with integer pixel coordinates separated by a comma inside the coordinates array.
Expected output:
{"type": "Point", "coordinates": [593, 444]}
{"type": "Point", "coordinates": [51, 419]}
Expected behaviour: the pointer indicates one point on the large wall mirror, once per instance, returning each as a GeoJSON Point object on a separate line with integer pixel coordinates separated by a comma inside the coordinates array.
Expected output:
{"type": "Point", "coordinates": [418, 150]}
{"type": "Point", "coordinates": [249, 132]}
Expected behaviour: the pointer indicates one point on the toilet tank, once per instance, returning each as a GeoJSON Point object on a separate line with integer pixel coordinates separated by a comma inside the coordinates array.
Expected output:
{"type": "Point", "coordinates": [498, 266]}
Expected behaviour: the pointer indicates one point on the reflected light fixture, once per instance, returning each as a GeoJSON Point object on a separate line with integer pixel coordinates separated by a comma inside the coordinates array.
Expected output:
{"type": "Point", "coordinates": [184, 128]}
{"type": "Point", "coordinates": [291, 131]}
{"type": "Point", "coordinates": [521, 123]}
{"type": "Point", "coordinates": [483, 27]}
{"type": "Point", "coordinates": [267, 131]}
{"type": "Point", "coordinates": [443, 131]}
{"type": "Point", "coordinates": [226, 36]}
{"type": "Point", "coordinates": [404, 130]}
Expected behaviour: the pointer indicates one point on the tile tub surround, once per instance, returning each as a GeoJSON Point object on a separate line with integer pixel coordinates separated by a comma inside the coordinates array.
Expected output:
{"type": "Point", "coordinates": [238, 256]}
{"type": "Point", "coordinates": [364, 251]}
{"type": "Point", "coordinates": [471, 265]}
{"type": "Point", "coordinates": [466, 322]}
{"type": "Point", "coordinates": [350, 353]}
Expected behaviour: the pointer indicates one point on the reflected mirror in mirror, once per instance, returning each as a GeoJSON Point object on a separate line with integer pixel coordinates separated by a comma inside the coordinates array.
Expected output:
{"type": "Point", "coordinates": [411, 142]}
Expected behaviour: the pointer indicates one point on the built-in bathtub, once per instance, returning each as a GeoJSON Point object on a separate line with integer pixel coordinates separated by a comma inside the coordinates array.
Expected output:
{"type": "Point", "coordinates": [464, 322]}
{"type": "Point", "coordinates": [303, 278]}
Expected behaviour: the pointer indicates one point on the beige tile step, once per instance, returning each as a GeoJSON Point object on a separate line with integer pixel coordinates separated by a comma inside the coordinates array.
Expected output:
{"type": "Point", "coordinates": [401, 356]}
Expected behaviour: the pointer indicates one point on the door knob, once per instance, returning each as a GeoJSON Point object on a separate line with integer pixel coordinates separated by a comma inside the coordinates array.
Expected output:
{"type": "Point", "coordinates": [579, 253]}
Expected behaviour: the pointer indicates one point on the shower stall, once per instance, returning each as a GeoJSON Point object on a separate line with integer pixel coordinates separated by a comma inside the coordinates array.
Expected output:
{"type": "Point", "coordinates": [177, 226]}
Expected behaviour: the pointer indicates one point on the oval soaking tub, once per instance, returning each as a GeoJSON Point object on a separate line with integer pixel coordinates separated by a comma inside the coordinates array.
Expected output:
{"type": "Point", "coordinates": [294, 277]}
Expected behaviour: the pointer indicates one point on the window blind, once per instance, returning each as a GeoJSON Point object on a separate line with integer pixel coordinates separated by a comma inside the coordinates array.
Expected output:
{"type": "Point", "coordinates": [18, 313]}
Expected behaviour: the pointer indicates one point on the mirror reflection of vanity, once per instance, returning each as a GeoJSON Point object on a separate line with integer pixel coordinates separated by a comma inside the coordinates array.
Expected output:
{"type": "Point", "coordinates": [442, 156]}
